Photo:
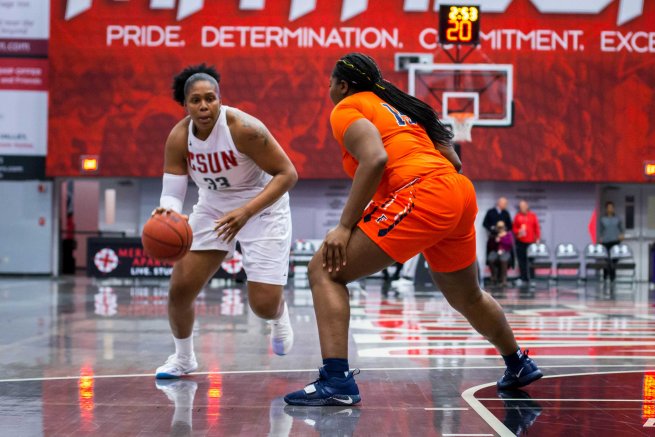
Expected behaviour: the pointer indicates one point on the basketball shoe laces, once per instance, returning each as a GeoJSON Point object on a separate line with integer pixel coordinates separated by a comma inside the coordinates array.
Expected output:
{"type": "Point", "coordinates": [323, 376]}
{"type": "Point", "coordinates": [525, 359]}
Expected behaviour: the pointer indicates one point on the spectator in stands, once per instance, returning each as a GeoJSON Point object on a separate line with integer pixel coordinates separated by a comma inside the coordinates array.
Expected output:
{"type": "Point", "coordinates": [491, 218]}
{"type": "Point", "coordinates": [526, 229]}
{"type": "Point", "coordinates": [500, 248]}
{"type": "Point", "coordinates": [611, 234]}
{"type": "Point", "coordinates": [496, 214]}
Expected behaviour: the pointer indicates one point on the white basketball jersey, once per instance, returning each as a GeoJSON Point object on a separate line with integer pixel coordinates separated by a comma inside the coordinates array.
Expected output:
{"type": "Point", "coordinates": [219, 170]}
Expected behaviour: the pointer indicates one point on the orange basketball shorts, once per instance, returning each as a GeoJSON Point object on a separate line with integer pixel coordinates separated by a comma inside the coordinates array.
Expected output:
{"type": "Point", "coordinates": [433, 215]}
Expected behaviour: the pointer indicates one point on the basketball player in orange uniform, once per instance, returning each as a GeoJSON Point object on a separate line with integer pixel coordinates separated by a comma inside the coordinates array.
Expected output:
{"type": "Point", "coordinates": [407, 197]}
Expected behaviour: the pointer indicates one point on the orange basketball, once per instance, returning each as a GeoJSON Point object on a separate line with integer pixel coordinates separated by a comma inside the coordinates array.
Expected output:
{"type": "Point", "coordinates": [167, 236]}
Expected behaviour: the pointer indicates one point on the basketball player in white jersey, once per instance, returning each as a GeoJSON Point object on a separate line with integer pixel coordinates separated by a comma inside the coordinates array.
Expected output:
{"type": "Point", "coordinates": [243, 176]}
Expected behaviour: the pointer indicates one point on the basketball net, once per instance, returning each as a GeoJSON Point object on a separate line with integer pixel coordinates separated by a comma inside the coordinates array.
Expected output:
{"type": "Point", "coordinates": [462, 125]}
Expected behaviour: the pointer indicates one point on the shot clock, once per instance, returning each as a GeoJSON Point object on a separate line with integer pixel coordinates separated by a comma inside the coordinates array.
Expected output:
{"type": "Point", "coordinates": [459, 24]}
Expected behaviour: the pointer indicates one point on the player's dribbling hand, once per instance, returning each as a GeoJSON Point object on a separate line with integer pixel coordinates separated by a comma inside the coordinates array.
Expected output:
{"type": "Point", "coordinates": [334, 248]}
{"type": "Point", "coordinates": [228, 226]}
{"type": "Point", "coordinates": [160, 210]}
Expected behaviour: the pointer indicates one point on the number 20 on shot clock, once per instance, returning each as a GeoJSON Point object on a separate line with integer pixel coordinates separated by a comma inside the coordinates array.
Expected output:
{"type": "Point", "coordinates": [459, 24]}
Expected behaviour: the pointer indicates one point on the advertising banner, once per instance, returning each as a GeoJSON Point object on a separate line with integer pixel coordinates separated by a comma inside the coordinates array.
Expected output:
{"type": "Point", "coordinates": [583, 81]}
{"type": "Point", "coordinates": [24, 74]}
{"type": "Point", "coordinates": [23, 129]}
{"type": "Point", "coordinates": [17, 167]}
{"type": "Point", "coordinates": [23, 126]}
{"type": "Point", "coordinates": [125, 258]}
{"type": "Point", "coordinates": [24, 30]}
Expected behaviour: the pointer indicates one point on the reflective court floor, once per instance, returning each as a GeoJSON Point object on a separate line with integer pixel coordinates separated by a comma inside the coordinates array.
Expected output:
{"type": "Point", "coordinates": [77, 357]}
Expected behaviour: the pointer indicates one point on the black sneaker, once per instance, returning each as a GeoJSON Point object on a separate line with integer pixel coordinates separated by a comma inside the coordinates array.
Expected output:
{"type": "Point", "coordinates": [527, 374]}
{"type": "Point", "coordinates": [520, 410]}
{"type": "Point", "coordinates": [327, 391]}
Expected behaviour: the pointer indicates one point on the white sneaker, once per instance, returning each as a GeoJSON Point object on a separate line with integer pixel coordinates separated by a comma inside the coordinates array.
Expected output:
{"type": "Point", "coordinates": [178, 390]}
{"type": "Point", "coordinates": [174, 367]}
{"type": "Point", "coordinates": [282, 333]}
{"type": "Point", "coordinates": [182, 393]}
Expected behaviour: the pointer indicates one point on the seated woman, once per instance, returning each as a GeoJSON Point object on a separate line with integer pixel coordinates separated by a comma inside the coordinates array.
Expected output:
{"type": "Point", "coordinates": [499, 249]}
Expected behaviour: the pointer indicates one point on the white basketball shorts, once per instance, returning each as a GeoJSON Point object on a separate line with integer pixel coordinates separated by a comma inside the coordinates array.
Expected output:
{"type": "Point", "coordinates": [265, 240]}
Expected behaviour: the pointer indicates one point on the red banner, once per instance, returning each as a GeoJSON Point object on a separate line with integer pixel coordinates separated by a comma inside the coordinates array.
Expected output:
{"type": "Point", "coordinates": [23, 74]}
{"type": "Point", "coordinates": [584, 85]}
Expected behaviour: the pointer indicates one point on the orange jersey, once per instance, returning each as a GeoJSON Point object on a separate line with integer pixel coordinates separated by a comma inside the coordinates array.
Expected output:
{"type": "Point", "coordinates": [410, 151]}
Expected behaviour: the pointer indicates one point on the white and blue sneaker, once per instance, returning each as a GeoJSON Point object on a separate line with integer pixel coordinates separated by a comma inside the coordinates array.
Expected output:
{"type": "Point", "coordinates": [178, 390]}
{"type": "Point", "coordinates": [182, 393]}
{"type": "Point", "coordinates": [282, 333]}
{"type": "Point", "coordinates": [327, 391]}
{"type": "Point", "coordinates": [176, 366]}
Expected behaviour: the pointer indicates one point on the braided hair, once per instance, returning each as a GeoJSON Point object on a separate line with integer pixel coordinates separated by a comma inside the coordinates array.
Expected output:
{"type": "Point", "coordinates": [362, 74]}
{"type": "Point", "coordinates": [190, 75]}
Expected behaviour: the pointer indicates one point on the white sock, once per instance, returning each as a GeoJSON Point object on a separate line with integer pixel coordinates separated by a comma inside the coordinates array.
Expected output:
{"type": "Point", "coordinates": [285, 313]}
{"type": "Point", "coordinates": [184, 346]}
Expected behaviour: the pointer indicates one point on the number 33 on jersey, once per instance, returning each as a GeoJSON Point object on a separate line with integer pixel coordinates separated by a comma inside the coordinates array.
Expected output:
{"type": "Point", "coordinates": [216, 164]}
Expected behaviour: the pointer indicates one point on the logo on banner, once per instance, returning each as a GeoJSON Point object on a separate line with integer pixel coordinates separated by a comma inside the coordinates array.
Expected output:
{"type": "Point", "coordinates": [628, 9]}
{"type": "Point", "coordinates": [106, 260]}
{"type": "Point", "coordinates": [106, 302]}
{"type": "Point", "coordinates": [234, 264]}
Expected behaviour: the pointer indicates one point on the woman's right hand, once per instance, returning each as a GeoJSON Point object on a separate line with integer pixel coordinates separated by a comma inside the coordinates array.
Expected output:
{"type": "Point", "coordinates": [160, 210]}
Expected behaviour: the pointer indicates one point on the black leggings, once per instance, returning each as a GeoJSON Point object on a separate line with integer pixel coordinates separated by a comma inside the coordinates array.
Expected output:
{"type": "Point", "coordinates": [522, 255]}
{"type": "Point", "coordinates": [611, 270]}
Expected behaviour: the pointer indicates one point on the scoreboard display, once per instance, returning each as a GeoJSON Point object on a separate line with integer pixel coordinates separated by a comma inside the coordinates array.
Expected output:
{"type": "Point", "coordinates": [459, 24]}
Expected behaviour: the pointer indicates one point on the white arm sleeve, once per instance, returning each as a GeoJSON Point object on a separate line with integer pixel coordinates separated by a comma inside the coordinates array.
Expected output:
{"type": "Point", "coordinates": [173, 191]}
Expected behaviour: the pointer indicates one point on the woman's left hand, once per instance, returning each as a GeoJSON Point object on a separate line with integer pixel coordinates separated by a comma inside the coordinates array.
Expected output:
{"type": "Point", "coordinates": [334, 248]}
{"type": "Point", "coordinates": [228, 226]}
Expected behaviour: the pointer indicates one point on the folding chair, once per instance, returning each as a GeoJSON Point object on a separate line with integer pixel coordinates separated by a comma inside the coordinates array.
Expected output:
{"type": "Point", "coordinates": [540, 264]}
{"type": "Point", "coordinates": [595, 258]}
{"type": "Point", "coordinates": [567, 262]}
{"type": "Point", "coordinates": [623, 259]}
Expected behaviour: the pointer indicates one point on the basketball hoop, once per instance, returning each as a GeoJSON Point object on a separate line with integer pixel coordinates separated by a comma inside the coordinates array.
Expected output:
{"type": "Point", "coordinates": [462, 124]}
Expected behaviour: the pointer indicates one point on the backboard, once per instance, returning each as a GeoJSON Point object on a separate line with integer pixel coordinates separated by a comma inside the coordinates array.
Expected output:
{"type": "Point", "coordinates": [486, 90]}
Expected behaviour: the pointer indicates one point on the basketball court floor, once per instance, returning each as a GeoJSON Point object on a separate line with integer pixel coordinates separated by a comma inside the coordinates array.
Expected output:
{"type": "Point", "coordinates": [77, 358]}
